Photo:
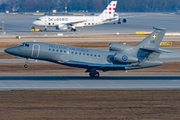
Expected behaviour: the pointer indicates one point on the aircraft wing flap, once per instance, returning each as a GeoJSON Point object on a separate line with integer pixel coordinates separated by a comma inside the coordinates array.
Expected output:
{"type": "Point", "coordinates": [98, 65]}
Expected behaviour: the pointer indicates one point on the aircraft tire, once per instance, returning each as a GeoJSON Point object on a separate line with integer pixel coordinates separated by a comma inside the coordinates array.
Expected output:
{"type": "Point", "coordinates": [94, 75]}
{"type": "Point", "coordinates": [25, 66]}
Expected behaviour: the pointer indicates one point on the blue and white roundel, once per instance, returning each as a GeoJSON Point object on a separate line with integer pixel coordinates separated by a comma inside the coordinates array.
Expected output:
{"type": "Point", "coordinates": [124, 58]}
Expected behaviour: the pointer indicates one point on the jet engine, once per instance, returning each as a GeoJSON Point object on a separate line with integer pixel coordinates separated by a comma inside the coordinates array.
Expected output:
{"type": "Point", "coordinates": [118, 57]}
{"type": "Point", "coordinates": [122, 20]}
{"type": "Point", "coordinates": [61, 27]}
{"type": "Point", "coordinates": [118, 47]}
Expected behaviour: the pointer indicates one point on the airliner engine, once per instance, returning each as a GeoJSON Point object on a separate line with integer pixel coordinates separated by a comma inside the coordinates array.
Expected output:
{"type": "Point", "coordinates": [118, 47]}
{"type": "Point", "coordinates": [61, 27]}
{"type": "Point", "coordinates": [122, 20]}
{"type": "Point", "coordinates": [118, 57]}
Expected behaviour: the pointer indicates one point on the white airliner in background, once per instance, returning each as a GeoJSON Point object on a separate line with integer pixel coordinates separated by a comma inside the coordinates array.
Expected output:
{"type": "Point", "coordinates": [71, 22]}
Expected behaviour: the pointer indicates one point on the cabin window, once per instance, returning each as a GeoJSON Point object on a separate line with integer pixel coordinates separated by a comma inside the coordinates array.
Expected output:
{"type": "Point", "coordinates": [76, 53]}
{"type": "Point", "coordinates": [49, 23]}
{"type": "Point", "coordinates": [99, 56]}
{"type": "Point", "coordinates": [72, 52]}
{"type": "Point", "coordinates": [57, 50]}
{"type": "Point", "coordinates": [53, 50]}
{"type": "Point", "coordinates": [79, 53]}
{"type": "Point", "coordinates": [64, 51]}
{"type": "Point", "coordinates": [87, 54]}
{"type": "Point", "coordinates": [94, 55]}
{"type": "Point", "coordinates": [60, 50]}
{"type": "Point", "coordinates": [49, 49]}
{"type": "Point", "coordinates": [84, 54]}
{"type": "Point", "coordinates": [91, 54]}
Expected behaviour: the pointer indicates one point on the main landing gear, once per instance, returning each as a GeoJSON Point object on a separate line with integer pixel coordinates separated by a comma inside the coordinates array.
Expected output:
{"type": "Point", "coordinates": [93, 73]}
{"type": "Point", "coordinates": [73, 29]}
{"type": "Point", "coordinates": [26, 63]}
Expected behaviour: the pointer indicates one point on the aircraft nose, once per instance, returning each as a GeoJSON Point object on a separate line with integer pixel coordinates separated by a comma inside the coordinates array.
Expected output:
{"type": "Point", "coordinates": [34, 23]}
{"type": "Point", "coordinates": [8, 50]}
{"type": "Point", "coordinates": [11, 50]}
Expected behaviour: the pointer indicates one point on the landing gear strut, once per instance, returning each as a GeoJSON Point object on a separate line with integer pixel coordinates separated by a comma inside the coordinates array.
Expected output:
{"type": "Point", "coordinates": [26, 63]}
{"type": "Point", "coordinates": [72, 29]}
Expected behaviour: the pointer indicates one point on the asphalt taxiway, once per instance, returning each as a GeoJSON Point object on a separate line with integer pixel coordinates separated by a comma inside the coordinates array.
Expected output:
{"type": "Point", "coordinates": [20, 24]}
{"type": "Point", "coordinates": [59, 82]}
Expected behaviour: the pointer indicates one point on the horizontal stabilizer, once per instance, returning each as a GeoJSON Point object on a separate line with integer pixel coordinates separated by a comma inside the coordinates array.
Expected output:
{"type": "Point", "coordinates": [158, 50]}
{"type": "Point", "coordinates": [97, 65]}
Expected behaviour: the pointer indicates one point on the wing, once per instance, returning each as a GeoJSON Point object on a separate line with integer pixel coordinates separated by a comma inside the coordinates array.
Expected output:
{"type": "Point", "coordinates": [124, 17]}
{"type": "Point", "coordinates": [97, 65]}
{"type": "Point", "coordinates": [109, 20]}
{"type": "Point", "coordinates": [76, 22]}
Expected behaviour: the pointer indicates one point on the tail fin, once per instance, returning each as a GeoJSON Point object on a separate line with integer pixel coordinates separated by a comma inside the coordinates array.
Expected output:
{"type": "Point", "coordinates": [109, 10]}
{"type": "Point", "coordinates": [153, 40]}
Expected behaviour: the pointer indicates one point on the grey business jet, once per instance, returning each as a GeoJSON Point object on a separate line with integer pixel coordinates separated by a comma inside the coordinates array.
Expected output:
{"type": "Point", "coordinates": [119, 56]}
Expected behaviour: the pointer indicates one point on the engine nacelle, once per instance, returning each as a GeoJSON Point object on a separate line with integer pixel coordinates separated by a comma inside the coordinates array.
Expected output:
{"type": "Point", "coordinates": [121, 20]}
{"type": "Point", "coordinates": [118, 47]}
{"type": "Point", "coordinates": [61, 27]}
{"type": "Point", "coordinates": [118, 57]}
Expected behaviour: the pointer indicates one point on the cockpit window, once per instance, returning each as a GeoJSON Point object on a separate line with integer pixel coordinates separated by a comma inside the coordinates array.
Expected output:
{"type": "Point", "coordinates": [38, 19]}
{"type": "Point", "coordinates": [115, 14]}
{"type": "Point", "coordinates": [24, 44]}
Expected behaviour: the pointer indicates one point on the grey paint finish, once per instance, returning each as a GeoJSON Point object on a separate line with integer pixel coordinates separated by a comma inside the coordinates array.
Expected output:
{"type": "Point", "coordinates": [119, 57]}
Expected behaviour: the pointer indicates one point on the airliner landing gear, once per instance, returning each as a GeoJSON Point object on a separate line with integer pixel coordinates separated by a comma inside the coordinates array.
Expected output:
{"type": "Point", "coordinates": [94, 74]}
{"type": "Point", "coordinates": [73, 30]}
{"type": "Point", "coordinates": [26, 63]}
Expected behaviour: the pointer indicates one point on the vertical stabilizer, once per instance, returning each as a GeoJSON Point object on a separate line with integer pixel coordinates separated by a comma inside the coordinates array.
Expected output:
{"type": "Point", "coordinates": [109, 11]}
{"type": "Point", "coordinates": [154, 39]}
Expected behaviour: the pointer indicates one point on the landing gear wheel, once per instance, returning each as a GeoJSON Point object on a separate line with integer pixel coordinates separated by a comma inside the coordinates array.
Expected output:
{"type": "Point", "coordinates": [94, 75]}
{"type": "Point", "coordinates": [119, 22]}
{"type": "Point", "coordinates": [26, 63]}
{"type": "Point", "coordinates": [73, 30]}
{"type": "Point", "coordinates": [25, 66]}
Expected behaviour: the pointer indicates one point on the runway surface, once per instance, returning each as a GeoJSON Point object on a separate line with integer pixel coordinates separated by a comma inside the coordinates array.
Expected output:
{"type": "Point", "coordinates": [19, 24]}
{"type": "Point", "coordinates": [59, 82]}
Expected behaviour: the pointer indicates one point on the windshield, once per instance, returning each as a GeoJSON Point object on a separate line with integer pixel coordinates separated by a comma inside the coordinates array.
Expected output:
{"type": "Point", "coordinates": [38, 19]}
{"type": "Point", "coordinates": [24, 44]}
{"type": "Point", "coordinates": [115, 14]}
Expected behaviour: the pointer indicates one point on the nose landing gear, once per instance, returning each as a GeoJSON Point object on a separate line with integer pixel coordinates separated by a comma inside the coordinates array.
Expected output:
{"type": "Point", "coordinates": [26, 63]}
